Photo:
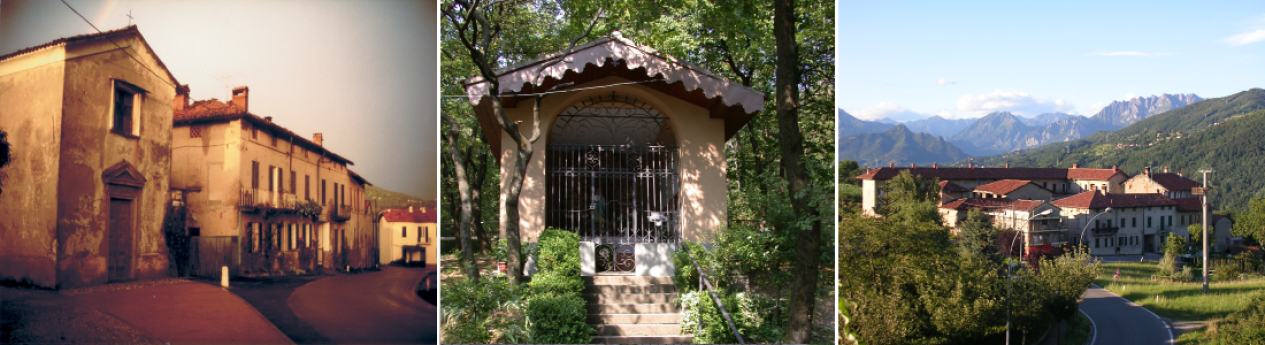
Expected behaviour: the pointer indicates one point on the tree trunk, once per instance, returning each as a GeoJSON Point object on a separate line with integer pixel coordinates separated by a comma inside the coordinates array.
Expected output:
{"type": "Point", "coordinates": [463, 190]}
{"type": "Point", "coordinates": [476, 197]}
{"type": "Point", "coordinates": [809, 246]}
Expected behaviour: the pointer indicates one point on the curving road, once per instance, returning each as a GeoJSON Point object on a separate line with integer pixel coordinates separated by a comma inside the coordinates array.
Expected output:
{"type": "Point", "coordinates": [1119, 321]}
{"type": "Point", "coordinates": [378, 307]}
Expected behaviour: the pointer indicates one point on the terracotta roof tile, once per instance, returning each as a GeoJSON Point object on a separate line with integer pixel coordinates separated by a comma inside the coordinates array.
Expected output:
{"type": "Point", "coordinates": [990, 204]}
{"type": "Point", "coordinates": [1188, 204]}
{"type": "Point", "coordinates": [996, 173]}
{"type": "Point", "coordinates": [214, 111]}
{"type": "Point", "coordinates": [1174, 182]}
{"type": "Point", "coordinates": [419, 215]}
{"type": "Point", "coordinates": [1003, 186]}
{"type": "Point", "coordinates": [950, 187]}
{"type": "Point", "coordinates": [1094, 199]}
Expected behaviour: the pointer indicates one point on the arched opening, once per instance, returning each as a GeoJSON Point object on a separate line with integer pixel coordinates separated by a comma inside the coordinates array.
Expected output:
{"type": "Point", "coordinates": [612, 177]}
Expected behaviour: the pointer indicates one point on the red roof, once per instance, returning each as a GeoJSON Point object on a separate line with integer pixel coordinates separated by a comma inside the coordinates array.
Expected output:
{"type": "Point", "coordinates": [950, 187]}
{"type": "Point", "coordinates": [1188, 204]}
{"type": "Point", "coordinates": [1003, 186]}
{"type": "Point", "coordinates": [1174, 182]}
{"type": "Point", "coordinates": [419, 215]}
{"type": "Point", "coordinates": [1094, 199]}
{"type": "Point", "coordinates": [1212, 219]}
{"type": "Point", "coordinates": [214, 111]}
{"type": "Point", "coordinates": [996, 173]}
{"type": "Point", "coordinates": [989, 204]}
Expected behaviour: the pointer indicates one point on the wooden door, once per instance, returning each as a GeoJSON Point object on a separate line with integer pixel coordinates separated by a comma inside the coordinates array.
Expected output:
{"type": "Point", "coordinates": [120, 245]}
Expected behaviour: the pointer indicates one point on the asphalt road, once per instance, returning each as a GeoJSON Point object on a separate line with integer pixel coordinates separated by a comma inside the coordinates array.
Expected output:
{"type": "Point", "coordinates": [1119, 321]}
{"type": "Point", "coordinates": [378, 307]}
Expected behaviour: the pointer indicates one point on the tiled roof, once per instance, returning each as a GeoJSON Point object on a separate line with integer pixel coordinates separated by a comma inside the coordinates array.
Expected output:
{"type": "Point", "coordinates": [1174, 182]}
{"type": "Point", "coordinates": [214, 111]}
{"type": "Point", "coordinates": [995, 173]}
{"type": "Point", "coordinates": [419, 215]}
{"type": "Point", "coordinates": [358, 178]}
{"type": "Point", "coordinates": [1212, 219]}
{"type": "Point", "coordinates": [1188, 204]}
{"type": "Point", "coordinates": [950, 187]}
{"type": "Point", "coordinates": [131, 29]}
{"type": "Point", "coordinates": [1095, 199]}
{"type": "Point", "coordinates": [991, 204]}
{"type": "Point", "coordinates": [1003, 186]}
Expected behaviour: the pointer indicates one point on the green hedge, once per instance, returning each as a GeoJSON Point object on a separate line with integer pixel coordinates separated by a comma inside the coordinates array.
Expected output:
{"type": "Point", "coordinates": [559, 252]}
{"type": "Point", "coordinates": [558, 319]}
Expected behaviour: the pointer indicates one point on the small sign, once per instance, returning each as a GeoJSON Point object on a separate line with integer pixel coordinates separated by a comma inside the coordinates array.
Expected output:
{"type": "Point", "coordinates": [1117, 276]}
{"type": "Point", "coordinates": [1198, 190]}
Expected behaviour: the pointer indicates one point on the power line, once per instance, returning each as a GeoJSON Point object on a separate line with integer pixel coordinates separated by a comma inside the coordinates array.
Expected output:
{"type": "Point", "coordinates": [561, 91]}
{"type": "Point", "coordinates": [94, 27]}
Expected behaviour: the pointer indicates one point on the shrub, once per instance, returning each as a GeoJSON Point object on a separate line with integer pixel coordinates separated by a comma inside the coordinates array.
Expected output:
{"type": "Point", "coordinates": [467, 305]}
{"type": "Point", "coordinates": [558, 319]}
{"type": "Point", "coordinates": [715, 330]}
{"type": "Point", "coordinates": [1185, 275]}
{"type": "Point", "coordinates": [686, 278]}
{"type": "Point", "coordinates": [553, 282]}
{"type": "Point", "coordinates": [1246, 326]}
{"type": "Point", "coordinates": [559, 252]}
{"type": "Point", "coordinates": [1226, 272]}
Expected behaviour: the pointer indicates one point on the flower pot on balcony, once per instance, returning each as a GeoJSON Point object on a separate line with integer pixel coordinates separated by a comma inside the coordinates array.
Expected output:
{"type": "Point", "coordinates": [501, 267]}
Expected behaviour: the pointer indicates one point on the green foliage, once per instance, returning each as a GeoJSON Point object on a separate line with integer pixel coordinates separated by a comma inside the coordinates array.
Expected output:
{"type": "Point", "coordinates": [1174, 247]}
{"type": "Point", "coordinates": [909, 199]}
{"type": "Point", "coordinates": [559, 252]}
{"type": "Point", "coordinates": [384, 199]}
{"type": "Point", "coordinates": [1252, 222]}
{"type": "Point", "coordinates": [1196, 236]}
{"type": "Point", "coordinates": [558, 318]}
{"type": "Point", "coordinates": [686, 278]}
{"type": "Point", "coordinates": [554, 282]}
{"type": "Point", "coordinates": [309, 208]}
{"type": "Point", "coordinates": [1067, 277]}
{"type": "Point", "coordinates": [468, 307]}
{"type": "Point", "coordinates": [177, 238]}
{"type": "Point", "coordinates": [1246, 326]}
{"type": "Point", "coordinates": [1227, 272]}
{"type": "Point", "coordinates": [977, 236]}
{"type": "Point", "coordinates": [715, 329]}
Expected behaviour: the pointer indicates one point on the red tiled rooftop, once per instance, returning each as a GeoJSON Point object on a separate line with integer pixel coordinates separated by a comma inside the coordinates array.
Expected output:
{"type": "Point", "coordinates": [1094, 199]}
{"type": "Point", "coordinates": [214, 111]}
{"type": "Point", "coordinates": [950, 187]}
{"type": "Point", "coordinates": [1003, 186]}
{"type": "Point", "coordinates": [1174, 182]}
{"type": "Point", "coordinates": [1189, 204]}
{"type": "Point", "coordinates": [419, 215]}
{"type": "Point", "coordinates": [995, 173]}
{"type": "Point", "coordinates": [991, 204]}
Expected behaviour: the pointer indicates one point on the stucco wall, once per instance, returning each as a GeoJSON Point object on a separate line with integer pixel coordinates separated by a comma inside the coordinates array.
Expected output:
{"type": "Point", "coordinates": [700, 139]}
{"type": "Point", "coordinates": [208, 167]}
{"type": "Point", "coordinates": [391, 243]}
{"type": "Point", "coordinates": [30, 112]}
{"type": "Point", "coordinates": [88, 148]}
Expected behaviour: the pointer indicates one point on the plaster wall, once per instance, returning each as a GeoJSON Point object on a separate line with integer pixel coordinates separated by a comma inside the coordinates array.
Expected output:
{"type": "Point", "coordinates": [31, 114]}
{"type": "Point", "coordinates": [391, 242]}
{"type": "Point", "coordinates": [208, 168]}
{"type": "Point", "coordinates": [1030, 192]}
{"type": "Point", "coordinates": [89, 147]}
{"type": "Point", "coordinates": [700, 138]}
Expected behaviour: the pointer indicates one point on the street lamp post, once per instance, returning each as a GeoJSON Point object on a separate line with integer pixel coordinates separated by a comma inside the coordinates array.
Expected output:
{"type": "Point", "coordinates": [1204, 197]}
{"type": "Point", "coordinates": [1082, 236]}
{"type": "Point", "coordinates": [1011, 266]}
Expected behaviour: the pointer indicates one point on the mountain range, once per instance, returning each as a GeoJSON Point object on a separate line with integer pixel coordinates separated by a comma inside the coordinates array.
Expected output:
{"type": "Point", "coordinates": [1226, 134]}
{"type": "Point", "coordinates": [898, 145]}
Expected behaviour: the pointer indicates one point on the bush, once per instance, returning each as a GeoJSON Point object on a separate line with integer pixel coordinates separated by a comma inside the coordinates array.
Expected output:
{"type": "Point", "coordinates": [1186, 275]}
{"type": "Point", "coordinates": [715, 330]}
{"type": "Point", "coordinates": [559, 252]}
{"type": "Point", "coordinates": [558, 319]}
{"type": "Point", "coordinates": [1246, 326]}
{"type": "Point", "coordinates": [466, 308]}
{"type": "Point", "coordinates": [686, 278]}
{"type": "Point", "coordinates": [553, 282]}
{"type": "Point", "coordinates": [1227, 272]}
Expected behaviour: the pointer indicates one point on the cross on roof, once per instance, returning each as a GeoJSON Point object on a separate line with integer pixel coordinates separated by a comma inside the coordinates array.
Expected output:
{"type": "Point", "coordinates": [129, 17]}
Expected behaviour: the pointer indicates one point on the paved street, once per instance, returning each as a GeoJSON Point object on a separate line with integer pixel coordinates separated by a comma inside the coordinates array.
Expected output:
{"type": "Point", "coordinates": [187, 313]}
{"type": "Point", "coordinates": [1118, 321]}
{"type": "Point", "coordinates": [376, 307]}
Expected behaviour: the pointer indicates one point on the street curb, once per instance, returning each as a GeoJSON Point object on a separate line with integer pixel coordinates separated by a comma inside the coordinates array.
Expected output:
{"type": "Point", "coordinates": [1093, 328]}
{"type": "Point", "coordinates": [1167, 326]}
{"type": "Point", "coordinates": [257, 313]}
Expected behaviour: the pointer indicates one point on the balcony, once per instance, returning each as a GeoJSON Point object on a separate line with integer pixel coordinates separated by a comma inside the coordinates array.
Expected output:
{"type": "Point", "coordinates": [257, 199]}
{"type": "Point", "coordinates": [1047, 227]}
{"type": "Point", "coordinates": [340, 213]}
{"type": "Point", "coordinates": [1105, 231]}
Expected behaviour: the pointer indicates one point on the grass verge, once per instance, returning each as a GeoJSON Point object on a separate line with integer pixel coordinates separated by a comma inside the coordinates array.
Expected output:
{"type": "Point", "coordinates": [1079, 331]}
{"type": "Point", "coordinates": [1179, 301]}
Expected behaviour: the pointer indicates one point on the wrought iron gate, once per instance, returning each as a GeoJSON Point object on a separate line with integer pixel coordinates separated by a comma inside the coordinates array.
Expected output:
{"type": "Point", "coordinates": [611, 179]}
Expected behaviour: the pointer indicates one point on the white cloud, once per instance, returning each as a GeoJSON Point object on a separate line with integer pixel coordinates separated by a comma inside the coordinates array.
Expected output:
{"type": "Point", "coordinates": [1245, 38]}
{"type": "Point", "coordinates": [942, 81]}
{"type": "Point", "coordinates": [895, 112]}
{"type": "Point", "coordinates": [1019, 103]}
{"type": "Point", "coordinates": [1095, 108]}
{"type": "Point", "coordinates": [1130, 96]}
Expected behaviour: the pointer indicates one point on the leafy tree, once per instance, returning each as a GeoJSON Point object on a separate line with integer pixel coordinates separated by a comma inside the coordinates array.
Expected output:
{"type": "Point", "coordinates": [1252, 222]}
{"type": "Point", "coordinates": [977, 236]}
{"type": "Point", "coordinates": [1066, 278]}
{"type": "Point", "coordinates": [1196, 236]}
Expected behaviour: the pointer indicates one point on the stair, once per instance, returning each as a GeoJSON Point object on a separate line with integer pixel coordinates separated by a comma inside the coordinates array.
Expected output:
{"type": "Point", "coordinates": [627, 309]}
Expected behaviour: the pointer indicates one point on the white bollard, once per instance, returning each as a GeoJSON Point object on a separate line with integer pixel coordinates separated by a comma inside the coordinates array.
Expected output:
{"type": "Point", "coordinates": [224, 276]}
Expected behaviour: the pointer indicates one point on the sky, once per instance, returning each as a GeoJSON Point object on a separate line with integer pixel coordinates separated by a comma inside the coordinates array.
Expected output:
{"type": "Point", "coordinates": [913, 60]}
{"type": "Point", "coordinates": [363, 73]}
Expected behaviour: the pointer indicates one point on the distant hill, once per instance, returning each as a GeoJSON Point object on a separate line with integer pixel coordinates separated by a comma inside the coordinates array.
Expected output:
{"type": "Point", "coordinates": [899, 145]}
{"type": "Point", "coordinates": [939, 126]}
{"type": "Point", "coordinates": [1127, 112]}
{"type": "Point", "coordinates": [849, 125]}
{"type": "Point", "coordinates": [1226, 134]}
{"type": "Point", "coordinates": [1047, 118]}
{"type": "Point", "coordinates": [388, 199]}
{"type": "Point", "coordinates": [992, 134]}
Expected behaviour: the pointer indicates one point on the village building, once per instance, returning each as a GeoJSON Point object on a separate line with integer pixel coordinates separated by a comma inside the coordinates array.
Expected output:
{"type": "Point", "coordinates": [1120, 223]}
{"type": "Point", "coordinates": [267, 200]}
{"type": "Point", "coordinates": [1039, 222]}
{"type": "Point", "coordinates": [408, 235]}
{"type": "Point", "coordinates": [1058, 182]}
{"type": "Point", "coordinates": [85, 195]}
{"type": "Point", "coordinates": [1171, 185]}
{"type": "Point", "coordinates": [631, 156]}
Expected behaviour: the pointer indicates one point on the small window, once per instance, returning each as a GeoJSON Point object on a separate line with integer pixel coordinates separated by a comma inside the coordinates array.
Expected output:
{"type": "Point", "coordinates": [274, 139]}
{"type": "Point", "coordinates": [1096, 242]}
{"type": "Point", "coordinates": [254, 133]}
{"type": "Point", "coordinates": [404, 231]}
{"type": "Point", "coordinates": [195, 231]}
{"type": "Point", "coordinates": [271, 176]}
{"type": "Point", "coordinates": [1135, 222]}
{"type": "Point", "coordinates": [254, 175]}
{"type": "Point", "coordinates": [195, 131]}
{"type": "Point", "coordinates": [126, 103]}
{"type": "Point", "coordinates": [307, 187]}
{"type": "Point", "coordinates": [293, 181]}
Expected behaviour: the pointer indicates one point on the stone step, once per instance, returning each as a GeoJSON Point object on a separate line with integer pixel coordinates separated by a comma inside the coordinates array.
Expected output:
{"type": "Point", "coordinates": [619, 339]}
{"type": "Point", "coordinates": [602, 298]}
{"type": "Point", "coordinates": [614, 319]}
{"type": "Point", "coordinates": [627, 280]}
{"type": "Point", "coordinates": [660, 308]}
{"type": "Point", "coordinates": [658, 288]}
{"type": "Point", "coordinates": [647, 329]}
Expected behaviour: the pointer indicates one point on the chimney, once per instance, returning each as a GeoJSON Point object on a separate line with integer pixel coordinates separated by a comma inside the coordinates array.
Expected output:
{"type": "Point", "coordinates": [182, 98]}
{"type": "Point", "coordinates": [1165, 170]}
{"type": "Point", "coordinates": [1115, 167]}
{"type": "Point", "coordinates": [1076, 165]}
{"type": "Point", "coordinates": [1179, 174]}
{"type": "Point", "coordinates": [1148, 171]}
{"type": "Point", "coordinates": [911, 165]}
{"type": "Point", "coordinates": [867, 170]}
{"type": "Point", "coordinates": [934, 165]}
{"type": "Point", "coordinates": [268, 118]}
{"type": "Point", "coordinates": [970, 165]}
{"type": "Point", "coordinates": [318, 139]}
{"type": "Point", "coordinates": [410, 209]}
{"type": "Point", "coordinates": [241, 97]}
{"type": "Point", "coordinates": [1007, 165]}
{"type": "Point", "coordinates": [891, 164]}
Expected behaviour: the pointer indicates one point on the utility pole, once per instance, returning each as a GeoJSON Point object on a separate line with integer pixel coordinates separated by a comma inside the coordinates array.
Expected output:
{"type": "Point", "coordinates": [1203, 193]}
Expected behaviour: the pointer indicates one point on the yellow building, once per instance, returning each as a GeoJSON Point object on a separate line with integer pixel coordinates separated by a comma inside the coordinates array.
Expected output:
{"type": "Point", "coordinates": [282, 203]}
{"type": "Point", "coordinates": [412, 228]}
{"type": "Point", "coordinates": [89, 122]}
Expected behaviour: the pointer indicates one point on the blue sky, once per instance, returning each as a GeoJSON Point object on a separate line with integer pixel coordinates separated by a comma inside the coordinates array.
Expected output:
{"type": "Point", "coordinates": [363, 73]}
{"type": "Point", "coordinates": [911, 60]}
